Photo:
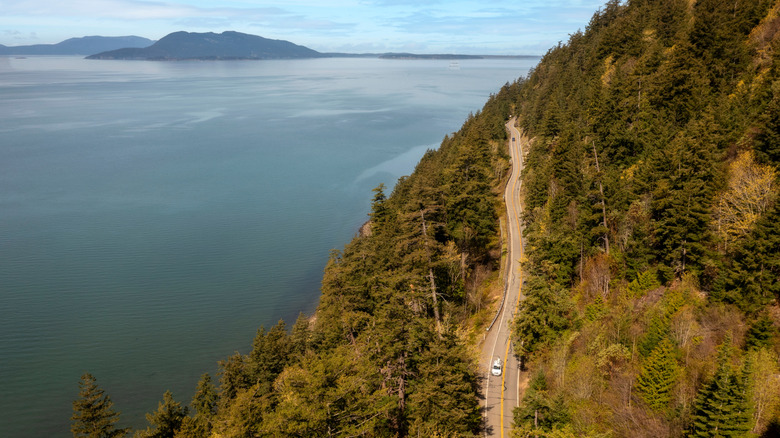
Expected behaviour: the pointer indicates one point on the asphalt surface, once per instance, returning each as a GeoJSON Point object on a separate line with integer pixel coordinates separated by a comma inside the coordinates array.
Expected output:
{"type": "Point", "coordinates": [501, 393]}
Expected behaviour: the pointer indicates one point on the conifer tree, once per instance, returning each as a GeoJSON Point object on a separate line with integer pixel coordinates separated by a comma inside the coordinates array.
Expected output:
{"type": "Point", "coordinates": [93, 413]}
{"type": "Point", "coordinates": [443, 398]}
{"type": "Point", "coordinates": [300, 337]}
{"type": "Point", "coordinates": [166, 420]}
{"type": "Point", "coordinates": [767, 142]}
{"type": "Point", "coordinates": [233, 376]}
{"type": "Point", "coordinates": [268, 356]}
{"type": "Point", "coordinates": [658, 376]}
{"type": "Point", "coordinates": [378, 208]}
{"type": "Point", "coordinates": [538, 413]}
{"type": "Point", "coordinates": [337, 393]}
{"type": "Point", "coordinates": [204, 403]}
{"type": "Point", "coordinates": [542, 316]}
{"type": "Point", "coordinates": [682, 197]}
{"type": "Point", "coordinates": [750, 279]}
{"type": "Point", "coordinates": [760, 333]}
{"type": "Point", "coordinates": [720, 409]}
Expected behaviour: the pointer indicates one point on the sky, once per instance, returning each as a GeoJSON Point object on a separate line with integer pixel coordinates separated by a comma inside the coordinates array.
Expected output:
{"type": "Point", "coordinates": [488, 27]}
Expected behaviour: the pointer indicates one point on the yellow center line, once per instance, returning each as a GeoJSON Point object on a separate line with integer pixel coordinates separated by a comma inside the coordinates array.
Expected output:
{"type": "Point", "coordinates": [520, 273]}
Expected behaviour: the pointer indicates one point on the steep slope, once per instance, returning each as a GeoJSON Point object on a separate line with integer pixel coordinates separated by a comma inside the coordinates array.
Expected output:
{"type": "Point", "coordinates": [227, 45]}
{"type": "Point", "coordinates": [652, 224]}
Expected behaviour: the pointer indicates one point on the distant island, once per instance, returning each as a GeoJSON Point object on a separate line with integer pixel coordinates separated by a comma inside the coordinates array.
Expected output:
{"type": "Point", "coordinates": [212, 46]}
{"type": "Point", "coordinates": [435, 56]}
{"type": "Point", "coordinates": [78, 46]}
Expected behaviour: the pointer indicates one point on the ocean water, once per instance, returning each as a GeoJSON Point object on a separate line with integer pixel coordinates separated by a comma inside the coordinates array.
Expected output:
{"type": "Point", "coordinates": [153, 215]}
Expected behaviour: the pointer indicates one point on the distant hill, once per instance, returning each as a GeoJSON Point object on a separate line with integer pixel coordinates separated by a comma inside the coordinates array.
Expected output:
{"type": "Point", "coordinates": [78, 46]}
{"type": "Point", "coordinates": [424, 56]}
{"type": "Point", "coordinates": [212, 46]}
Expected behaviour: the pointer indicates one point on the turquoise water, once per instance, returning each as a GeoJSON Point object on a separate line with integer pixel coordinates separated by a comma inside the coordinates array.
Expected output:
{"type": "Point", "coordinates": [153, 215]}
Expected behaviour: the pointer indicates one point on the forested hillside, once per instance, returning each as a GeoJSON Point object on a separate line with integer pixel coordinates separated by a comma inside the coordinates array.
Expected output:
{"type": "Point", "coordinates": [652, 224]}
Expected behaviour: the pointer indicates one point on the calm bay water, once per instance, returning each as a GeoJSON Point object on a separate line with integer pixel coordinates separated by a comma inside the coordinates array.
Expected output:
{"type": "Point", "coordinates": [153, 215]}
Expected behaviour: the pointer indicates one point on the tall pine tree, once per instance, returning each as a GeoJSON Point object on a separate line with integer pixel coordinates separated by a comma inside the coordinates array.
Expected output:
{"type": "Point", "coordinates": [166, 420]}
{"type": "Point", "coordinates": [93, 413]}
{"type": "Point", "coordinates": [721, 408]}
{"type": "Point", "coordinates": [659, 375]}
{"type": "Point", "coordinates": [204, 403]}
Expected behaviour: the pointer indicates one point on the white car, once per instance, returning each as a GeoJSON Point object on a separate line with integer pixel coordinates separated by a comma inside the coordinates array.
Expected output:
{"type": "Point", "coordinates": [496, 369]}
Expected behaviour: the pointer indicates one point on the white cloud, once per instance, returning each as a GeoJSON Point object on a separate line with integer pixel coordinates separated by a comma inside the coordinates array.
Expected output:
{"type": "Point", "coordinates": [487, 26]}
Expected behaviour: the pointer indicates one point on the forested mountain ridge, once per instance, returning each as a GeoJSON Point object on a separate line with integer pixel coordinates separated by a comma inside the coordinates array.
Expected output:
{"type": "Point", "coordinates": [653, 224]}
{"type": "Point", "coordinates": [228, 45]}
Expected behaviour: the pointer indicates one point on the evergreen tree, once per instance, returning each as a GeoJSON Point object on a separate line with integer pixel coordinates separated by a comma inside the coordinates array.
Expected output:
{"type": "Point", "coordinates": [300, 337]}
{"type": "Point", "coordinates": [242, 415]}
{"type": "Point", "coordinates": [442, 398]}
{"type": "Point", "coordinates": [681, 201]}
{"type": "Point", "coordinates": [166, 420]}
{"type": "Point", "coordinates": [378, 209]}
{"type": "Point", "coordinates": [336, 393]}
{"type": "Point", "coordinates": [720, 408]}
{"type": "Point", "coordinates": [767, 141]}
{"type": "Point", "coordinates": [204, 403]}
{"type": "Point", "coordinates": [93, 413]}
{"type": "Point", "coordinates": [543, 314]}
{"type": "Point", "coordinates": [538, 413]}
{"type": "Point", "coordinates": [658, 376]}
{"type": "Point", "coordinates": [751, 278]}
{"type": "Point", "coordinates": [657, 331]}
{"type": "Point", "coordinates": [760, 333]}
{"type": "Point", "coordinates": [233, 376]}
{"type": "Point", "coordinates": [268, 356]}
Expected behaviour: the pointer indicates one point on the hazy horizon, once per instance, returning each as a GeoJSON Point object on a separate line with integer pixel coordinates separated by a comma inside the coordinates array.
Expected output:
{"type": "Point", "coordinates": [355, 26]}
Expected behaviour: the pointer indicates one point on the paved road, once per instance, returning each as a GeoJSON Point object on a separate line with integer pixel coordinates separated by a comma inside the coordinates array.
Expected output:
{"type": "Point", "coordinates": [501, 392]}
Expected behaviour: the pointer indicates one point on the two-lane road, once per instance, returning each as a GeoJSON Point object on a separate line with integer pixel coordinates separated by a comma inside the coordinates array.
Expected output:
{"type": "Point", "coordinates": [501, 392]}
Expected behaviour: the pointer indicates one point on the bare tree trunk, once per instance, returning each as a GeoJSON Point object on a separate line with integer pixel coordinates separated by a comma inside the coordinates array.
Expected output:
{"type": "Point", "coordinates": [603, 204]}
{"type": "Point", "coordinates": [536, 421]}
{"type": "Point", "coordinates": [431, 278]}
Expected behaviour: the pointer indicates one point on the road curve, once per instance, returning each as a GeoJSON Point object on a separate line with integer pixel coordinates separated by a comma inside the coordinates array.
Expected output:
{"type": "Point", "coordinates": [501, 392]}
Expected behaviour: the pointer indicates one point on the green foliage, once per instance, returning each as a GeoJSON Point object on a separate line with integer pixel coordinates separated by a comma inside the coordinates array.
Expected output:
{"type": "Point", "coordinates": [596, 310]}
{"type": "Point", "coordinates": [232, 376]}
{"type": "Point", "coordinates": [767, 142]}
{"type": "Point", "coordinates": [642, 283]}
{"type": "Point", "coordinates": [659, 325]}
{"type": "Point", "coordinates": [335, 393]}
{"type": "Point", "coordinates": [268, 356]}
{"type": "Point", "coordinates": [750, 278]}
{"type": "Point", "coordinates": [166, 421]}
{"type": "Point", "coordinates": [543, 315]}
{"type": "Point", "coordinates": [763, 389]}
{"type": "Point", "coordinates": [682, 197]}
{"type": "Point", "coordinates": [666, 95]}
{"type": "Point", "coordinates": [720, 408]}
{"type": "Point", "coordinates": [761, 333]}
{"type": "Point", "coordinates": [378, 210]}
{"type": "Point", "coordinates": [658, 376]}
{"type": "Point", "coordinates": [93, 413]}
{"type": "Point", "coordinates": [204, 405]}
{"type": "Point", "coordinates": [442, 399]}
{"type": "Point", "coordinates": [300, 337]}
{"type": "Point", "coordinates": [538, 412]}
